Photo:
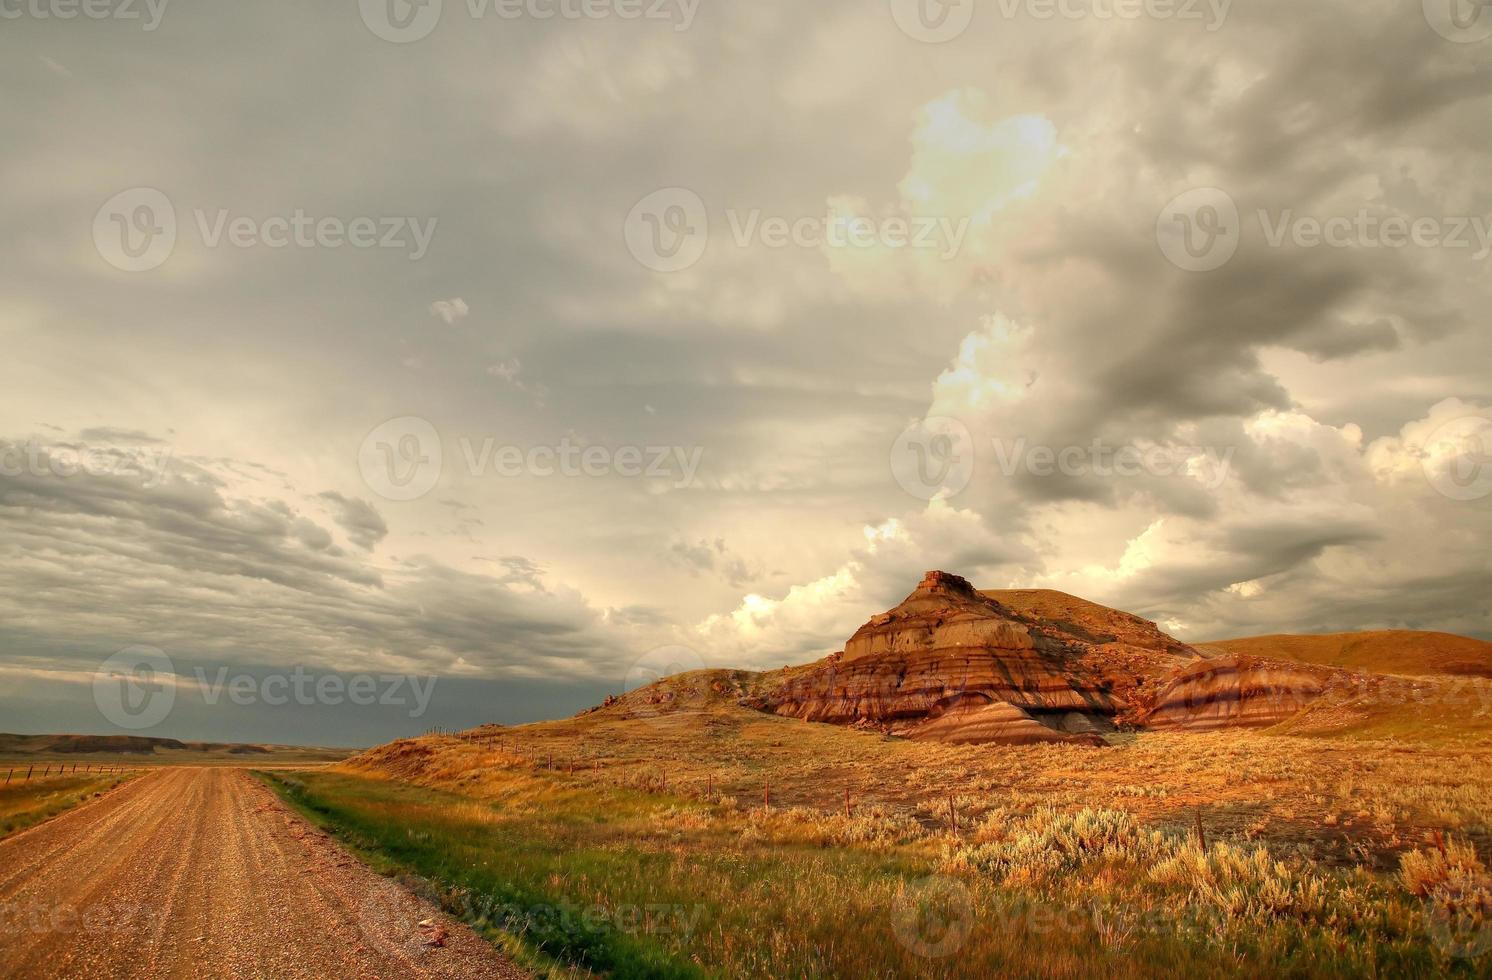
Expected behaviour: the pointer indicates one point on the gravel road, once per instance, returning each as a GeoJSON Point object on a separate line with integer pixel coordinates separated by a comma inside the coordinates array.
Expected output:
{"type": "Point", "coordinates": [204, 873]}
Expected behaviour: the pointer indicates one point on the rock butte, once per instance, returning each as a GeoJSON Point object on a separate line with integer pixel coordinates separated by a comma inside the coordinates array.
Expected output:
{"type": "Point", "coordinates": [951, 663]}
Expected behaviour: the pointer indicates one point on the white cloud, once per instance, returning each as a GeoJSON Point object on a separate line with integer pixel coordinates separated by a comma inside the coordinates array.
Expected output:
{"type": "Point", "coordinates": [450, 310]}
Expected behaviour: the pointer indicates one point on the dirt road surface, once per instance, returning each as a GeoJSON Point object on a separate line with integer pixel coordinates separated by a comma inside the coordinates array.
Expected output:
{"type": "Point", "coordinates": [204, 873]}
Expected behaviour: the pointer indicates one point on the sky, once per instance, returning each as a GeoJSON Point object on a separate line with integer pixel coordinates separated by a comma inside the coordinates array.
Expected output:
{"type": "Point", "coordinates": [533, 348]}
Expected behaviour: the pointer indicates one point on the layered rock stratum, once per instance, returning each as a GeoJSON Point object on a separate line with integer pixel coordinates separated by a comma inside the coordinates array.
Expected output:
{"type": "Point", "coordinates": [955, 664]}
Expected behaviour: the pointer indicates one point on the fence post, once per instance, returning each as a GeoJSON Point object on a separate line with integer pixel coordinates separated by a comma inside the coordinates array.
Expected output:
{"type": "Point", "coordinates": [846, 802]}
{"type": "Point", "coordinates": [1201, 834]}
{"type": "Point", "coordinates": [30, 771]}
{"type": "Point", "coordinates": [767, 793]}
{"type": "Point", "coordinates": [8, 775]}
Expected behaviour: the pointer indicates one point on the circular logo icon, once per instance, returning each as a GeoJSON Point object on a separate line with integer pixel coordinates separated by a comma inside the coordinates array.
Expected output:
{"type": "Point", "coordinates": [399, 910]}
{"type": "Point", "coordinates": [1200, 230]}
{"type": "Point", "coordinates": [1458, 917]}
{"type": "Point", "coordinates": [667, 231]}
{"type": "Point", "coordinates": [135, 230]}
{"type": "Point", "coordinates": [135, 688]}
{"type": "Point", "coordinates": [934, 457]}
{"type": "Point", "coordinates": [1462, 21]}
{"type": "Point", "coordinates": [400, 21]}
{"type": "Point", "coordinates": [653, 666]}
{"type": "Point", "coordinates": [1457, 458]}
{"type": "Point", "coordinates": [401, 459]}
{"type": "Point", "coordinates": [933, 21]}
{"type": "Point", "coordinates": [932, 918]}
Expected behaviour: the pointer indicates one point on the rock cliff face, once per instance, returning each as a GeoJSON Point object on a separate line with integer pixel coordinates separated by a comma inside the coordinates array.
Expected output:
{"type": "Point", "coordinates": [955, 664]}
{"type": "Point", "coordinates": [1235, 691]}
{"type": "Point", "coordinates": [977, 721]}
{"type": "Point", "coordinates": [943, 662]}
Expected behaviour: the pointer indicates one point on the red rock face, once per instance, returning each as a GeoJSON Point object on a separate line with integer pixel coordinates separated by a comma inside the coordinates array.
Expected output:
{"type": "Point", "coordinates": [941, 662]}
{"type": "Point", "coordinates": [1236, 691]}
{"type": "Point", "coordinates": [973, 721]}
{"type": "Point", "coordinates": [951, 663]}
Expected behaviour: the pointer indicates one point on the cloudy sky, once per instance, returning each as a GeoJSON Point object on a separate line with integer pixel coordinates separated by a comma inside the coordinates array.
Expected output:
{"type": "Point", "coordinates": [532, 346]}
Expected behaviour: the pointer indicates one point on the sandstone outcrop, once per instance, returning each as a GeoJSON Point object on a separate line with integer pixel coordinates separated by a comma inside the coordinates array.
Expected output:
{"type": "Point", "coordinates": [975, 720]}
{"type": "Point", "coordinates": [956, 664]}
{"type": "Point", "coordinates": [1235, 691]}
{"type": "Point", "coordinates": [948, 653]}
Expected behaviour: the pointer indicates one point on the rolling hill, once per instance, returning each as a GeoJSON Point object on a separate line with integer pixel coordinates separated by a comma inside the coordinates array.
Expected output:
{"type": "Point", "coordinates": [158, 750]}
{"type": "Point", "coordinates": [1410, 652]}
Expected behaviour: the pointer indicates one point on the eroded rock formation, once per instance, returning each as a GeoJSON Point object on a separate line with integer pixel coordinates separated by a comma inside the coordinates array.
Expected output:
{"type": "Point", "coordinates": [1235, 691]}
{"type": "Point", "coordinates": [940, 663]}
{"type": "Point", "coordinates": [953, 663]}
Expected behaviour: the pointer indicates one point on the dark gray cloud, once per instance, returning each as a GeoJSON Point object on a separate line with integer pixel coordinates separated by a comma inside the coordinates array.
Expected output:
{"type": "Point", "coordinates": [360, 519]}
{"type": "Point", "coordinates": [200, 482]}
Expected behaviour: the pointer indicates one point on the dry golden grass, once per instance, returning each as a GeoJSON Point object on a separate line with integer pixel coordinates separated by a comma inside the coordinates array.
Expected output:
{"type": "Point", "coordinates": [1322, 856]}
{"type": "Point", "coordinates": [1357, 802]}
{"type": "Point", "coordinates": [1409, 652]}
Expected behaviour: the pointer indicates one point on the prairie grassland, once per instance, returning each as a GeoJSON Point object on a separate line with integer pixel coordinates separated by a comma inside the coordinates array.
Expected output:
{"type": "Point", "coordinates": [1322, 857]}
{"type": "Point", "coordinates": [23, 804]}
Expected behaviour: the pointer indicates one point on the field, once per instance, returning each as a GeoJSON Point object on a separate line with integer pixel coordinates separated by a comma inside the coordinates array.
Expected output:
{"type": "Point", "coordinates": [726, 842]}
{"type": "Point", "coordinates": [134, 751]}
{"type": "Point", "coordinates": [23, 804]}
{"type": "Point", "coordinates": [1409, 652]}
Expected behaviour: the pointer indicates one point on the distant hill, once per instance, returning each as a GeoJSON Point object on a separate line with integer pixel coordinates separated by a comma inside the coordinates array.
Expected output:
{"type": "Point", "coordinates": [952, 663]}
{"type": "Point", "coordinates": [160, 749]}
{"type": "Point", "coordinates": [1409, 652]}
